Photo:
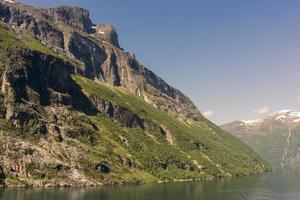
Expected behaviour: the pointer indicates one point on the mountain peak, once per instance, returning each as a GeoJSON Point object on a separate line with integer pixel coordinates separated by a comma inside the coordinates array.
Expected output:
{"type": "Point", "coordinates": [287, 116]}
{"type": "Point", "coordinates": [75, 16]}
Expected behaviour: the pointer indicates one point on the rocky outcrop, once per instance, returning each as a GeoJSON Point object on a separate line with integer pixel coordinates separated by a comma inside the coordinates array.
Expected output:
{"type": "Point", "coordinates": [107, 33]}
{"type": "Point", "coordinates": [121, 114]}
{"type": "Point", "coordinates": [89, 53]}
{"type": "Point", "coordinates": [21, 17]}
{"type": "Point", "coordinates": [41, 80]}
{"type": "Point", "coordinates": [76, 17]}
{"type": "Point", "coordinates": [35, 165]}
{"type": "Point", "coordinates": [102, 168]}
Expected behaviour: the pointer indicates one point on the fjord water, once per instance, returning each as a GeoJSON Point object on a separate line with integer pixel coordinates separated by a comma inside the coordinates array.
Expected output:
{"type": "Point", "coordinates": [278, 185]}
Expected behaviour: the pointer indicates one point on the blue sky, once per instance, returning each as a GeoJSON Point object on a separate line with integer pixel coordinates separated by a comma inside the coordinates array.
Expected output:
{"type": "Point", "coordinates": [236, 59]}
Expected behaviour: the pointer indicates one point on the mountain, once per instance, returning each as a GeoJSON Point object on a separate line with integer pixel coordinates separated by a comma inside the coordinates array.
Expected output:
{"type": "Point", "coordinates": [276, 137]}
{"type": "Point", "coordinates": [76, 109]}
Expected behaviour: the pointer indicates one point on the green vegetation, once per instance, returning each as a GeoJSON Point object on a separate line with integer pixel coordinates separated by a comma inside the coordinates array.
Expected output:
{"type": "Point", "coordinates": [216, 151]}
{"type": "Point", "coordinates": [8, 40]}
{"type": "Point", "coordinates": [162, 161]}
{"type": "Point", "coordinates": [6, 125]}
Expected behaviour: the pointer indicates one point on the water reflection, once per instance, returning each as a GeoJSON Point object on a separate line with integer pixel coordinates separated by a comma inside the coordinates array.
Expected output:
{"type": "Point", "coordinates": [279, 185]}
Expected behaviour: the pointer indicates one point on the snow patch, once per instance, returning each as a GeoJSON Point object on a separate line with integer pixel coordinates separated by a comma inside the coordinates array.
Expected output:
{"type": "Point", "coordinates": [281, 117]}
{"type": "Point", "coordinates": [283, 111]}
{"type": "Point", "coordinates": [295, 114]}
{"type": "Point", "coordinates": [285, 116]}
{"type": "Point", "coordinates": [9, 1]}
{"type": "Point", "coordinates": [252, 122]}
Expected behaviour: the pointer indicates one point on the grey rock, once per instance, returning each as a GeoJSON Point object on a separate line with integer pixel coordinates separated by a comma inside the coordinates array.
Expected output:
{"type": "Point", "coordinates": [103, 168]}
{"type": "Point", "coordinates": [108, 33]}
{"type": "Point", "coordinates": [74, 16]}
{"type": "Point", "coordinates": [2, 176]}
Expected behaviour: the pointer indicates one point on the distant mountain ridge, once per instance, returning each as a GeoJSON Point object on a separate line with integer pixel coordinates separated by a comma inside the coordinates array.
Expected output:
{"type": "Point", "coordinates": [76, 109]}
{"type": "Point", "coordinates": [275, 137]}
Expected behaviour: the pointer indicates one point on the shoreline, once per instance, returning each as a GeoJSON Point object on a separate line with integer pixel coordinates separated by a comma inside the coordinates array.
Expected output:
{"type": "Point", "coordinates": [128, 183]}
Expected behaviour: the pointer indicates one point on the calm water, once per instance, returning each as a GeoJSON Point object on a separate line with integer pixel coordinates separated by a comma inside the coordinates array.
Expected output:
{"type": "Point", "coordinates": [279, 185]}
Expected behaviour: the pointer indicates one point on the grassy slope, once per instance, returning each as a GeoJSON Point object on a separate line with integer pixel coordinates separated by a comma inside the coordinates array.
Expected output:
{"type": "Point", "coordinates": [221, 153]}
{"type": "Point", "coordinates": [102, 149]}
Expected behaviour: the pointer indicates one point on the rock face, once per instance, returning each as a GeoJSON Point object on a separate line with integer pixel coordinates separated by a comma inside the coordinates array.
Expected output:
{"type": "Point", "coordinates": [276, 137]}
{"type": "Point", "coordinates": [2, 176]}
{"type": "Point", "coordinates": [76, 109]}
{"type": "Point", "coordinates": [78, 18]}
{"type": "Point", "coordinates": [107, 33]}
{"type": "Point", "coordinates": [43, 80]}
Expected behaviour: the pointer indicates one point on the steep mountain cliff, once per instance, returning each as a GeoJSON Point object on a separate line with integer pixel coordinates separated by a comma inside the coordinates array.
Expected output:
{"type": "Point", "coordinates": [95, 48]}
{"type": "Point", "coordinates": [76, 109]}
{"type": "Point", "coordinates": [276, 137]}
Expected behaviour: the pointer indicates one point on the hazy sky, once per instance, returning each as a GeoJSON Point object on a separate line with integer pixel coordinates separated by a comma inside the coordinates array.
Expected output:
{"type": "Point", "coordinates": [236, 59]}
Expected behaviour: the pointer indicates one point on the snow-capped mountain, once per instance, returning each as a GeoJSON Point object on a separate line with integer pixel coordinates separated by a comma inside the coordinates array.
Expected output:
{"type": "Point", "coordinates": [286, 116]}
{"type": "Point", "coordinates": [275, 137]}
